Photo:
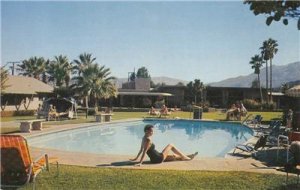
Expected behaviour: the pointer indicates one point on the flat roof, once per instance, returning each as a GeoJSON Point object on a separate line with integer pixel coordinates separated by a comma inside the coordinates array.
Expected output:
{"type": "Point", "coordinates": [136, 93]}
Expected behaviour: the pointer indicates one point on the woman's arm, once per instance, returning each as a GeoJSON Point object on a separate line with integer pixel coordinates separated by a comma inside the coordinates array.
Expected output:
{"type": "Point", "coordinates": [138, 155]}
{"type": "Point", "coordinates": [145, 149]}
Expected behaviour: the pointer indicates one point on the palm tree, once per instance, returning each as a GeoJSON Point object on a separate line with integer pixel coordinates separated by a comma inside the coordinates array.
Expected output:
{"type": "Point", "coordinates": [265, 56]}
{"type": "Point", "coordinates": [272, 48]}
{"type": "Point", "coordinates": [33, 67]}
{"type": "Point", "coordinates": [256, 63]}
{"type": "Point", "coordinates": [60, 71]}
{"type": "Point", "coordinates": [84, 61]}
{"type": "Point", "coordinates": [4, 78]}
{"type": "Point", "coordinates": [196, 88]}
{"type": "Point", "coordinates": [284, 87]}
{"type": "Point", "coordinates": [269, 49]}
{"type": "Point", "coordinates": [95, 81]}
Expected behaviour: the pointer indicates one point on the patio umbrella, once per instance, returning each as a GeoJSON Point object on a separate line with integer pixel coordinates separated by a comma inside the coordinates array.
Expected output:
{"type": "Point", "coordinates": [294, 92]}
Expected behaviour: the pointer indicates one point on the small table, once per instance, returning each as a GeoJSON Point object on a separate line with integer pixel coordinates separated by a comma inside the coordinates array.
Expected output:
{"type": "Point", "coordinates": [27, 126]}
{"type": "Point", "coordinates": [106, 117]}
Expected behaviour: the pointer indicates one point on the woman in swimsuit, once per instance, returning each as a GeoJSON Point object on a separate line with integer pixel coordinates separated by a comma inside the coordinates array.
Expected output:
{"type": "Point", "coordinates": [147, 147]}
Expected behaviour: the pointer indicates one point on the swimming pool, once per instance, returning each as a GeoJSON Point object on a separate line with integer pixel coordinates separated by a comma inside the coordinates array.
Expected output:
{"type": "Point", "coordinates": [210, 139]}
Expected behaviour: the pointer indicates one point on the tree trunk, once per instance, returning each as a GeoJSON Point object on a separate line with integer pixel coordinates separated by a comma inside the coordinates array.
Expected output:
{"type": "Point", "coordinates": [87, 101]}
{"type": "Point", "coordinates": [96, 104]}
{"type": "Point", "coordinates": [271, 98]}
{"type": "Point", "coordinates": [267, 81]}
{"type": "Point", "coordinates": [29, 101]}
{"type": "Point", "coordinates": [261, 96]}
{"type": "Point", "coordinates": [3, 105]}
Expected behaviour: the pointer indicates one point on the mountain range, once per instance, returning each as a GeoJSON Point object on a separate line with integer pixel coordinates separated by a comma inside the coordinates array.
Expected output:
{"type": "Point", "coordinates": [289, 73]}
{"type": "Point", "coordinates": [281, 74]}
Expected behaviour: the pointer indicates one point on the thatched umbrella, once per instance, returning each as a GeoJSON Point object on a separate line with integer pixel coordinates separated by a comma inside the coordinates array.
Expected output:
{"type": "Point", "coordinates": [294, 92]}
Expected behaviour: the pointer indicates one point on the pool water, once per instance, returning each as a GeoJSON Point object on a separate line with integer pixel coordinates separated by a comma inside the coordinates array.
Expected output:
{"type": "Point", "coordinates": [210, 139]}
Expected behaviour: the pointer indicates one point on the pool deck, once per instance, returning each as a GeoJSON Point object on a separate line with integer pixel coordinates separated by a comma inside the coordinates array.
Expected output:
{"type": "Point", "coordinates": [242, 162]}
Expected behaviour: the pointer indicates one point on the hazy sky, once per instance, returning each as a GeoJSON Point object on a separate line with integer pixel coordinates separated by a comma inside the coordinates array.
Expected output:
{"type": "Point", "coordinates": [210, 41]}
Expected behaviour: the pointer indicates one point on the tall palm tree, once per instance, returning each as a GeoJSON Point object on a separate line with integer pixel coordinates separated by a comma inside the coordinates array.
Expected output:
{"type": "Point", "coordinates": [95, 81]}
{"type": "Point", "coordinates": [256, 63]}
{"type": "Point", "coordinates": [269, 49]}
{"type": "Point", "coordinates": [44, 74]}
{"type": "Point", "coordinates": [84, 61]}
{"type": "Point", "coordinates": [265, 56]}
{"type": "Point", "coordinates": [60, 71]}
{"type": "Point", "coordinates": [33, 67]}
{"type": "Point", "coordinates": [272, 48]}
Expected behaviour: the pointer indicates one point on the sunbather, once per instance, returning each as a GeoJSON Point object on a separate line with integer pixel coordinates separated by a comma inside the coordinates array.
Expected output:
{"type": "Point", "coordinates": [164, 110]}
{"type": "Point", "coordinates": [233, 113]}
{"type": "Point", "coordinates": [147, 147]}
{"type": "Point", "coordinates": [153, 111]}
{"type": "Point", "coordinates": [52, 113]}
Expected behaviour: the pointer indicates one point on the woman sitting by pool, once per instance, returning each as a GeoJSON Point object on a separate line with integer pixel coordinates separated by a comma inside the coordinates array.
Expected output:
{"type": "Point", "coordinates": [147, 147]}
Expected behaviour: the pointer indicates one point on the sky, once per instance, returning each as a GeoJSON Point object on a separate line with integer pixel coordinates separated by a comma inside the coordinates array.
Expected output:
{"type": "Point", "coordinates": [206, 40]}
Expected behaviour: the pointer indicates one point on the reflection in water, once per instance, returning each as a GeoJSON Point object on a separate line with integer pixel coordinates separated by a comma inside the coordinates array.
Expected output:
{"type": "Point", "coordinates": [195, 129]}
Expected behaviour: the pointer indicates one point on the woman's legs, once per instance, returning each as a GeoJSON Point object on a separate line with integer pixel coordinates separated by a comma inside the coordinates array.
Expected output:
{"type": "Point", "coordinates": [176, 151]}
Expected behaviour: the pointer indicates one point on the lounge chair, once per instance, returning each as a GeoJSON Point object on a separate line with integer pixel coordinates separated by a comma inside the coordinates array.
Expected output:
{"type": "Point", "coordinates": [274, 127]}
{"type": "Point", "coordinates": [261, 143]}
{"type": "Point", "coordinates": [17, 167]}
{"type": "Point", "coordinates": [256, 120]}
{"type": "Point", "coordinates": [293, 166]}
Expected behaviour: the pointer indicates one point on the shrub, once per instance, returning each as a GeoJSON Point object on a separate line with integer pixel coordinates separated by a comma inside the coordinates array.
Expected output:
{"type": "Point", "coordinates": [17, 113]}
{"type": "Point", "coordinates": [251, 104]}
{"type": "Point", "coordinates": [270, 106]}
{"type": "Point", "coordinates": [254, 105]}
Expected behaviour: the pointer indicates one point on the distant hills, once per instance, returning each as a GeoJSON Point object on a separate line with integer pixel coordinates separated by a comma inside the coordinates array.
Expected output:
{"type": "Point", "coordinates": [289, 73]}
{"type": "Point", "coordinates": [281, 74]}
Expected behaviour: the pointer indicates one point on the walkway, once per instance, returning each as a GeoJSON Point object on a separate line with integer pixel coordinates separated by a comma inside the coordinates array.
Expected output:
{"type": "Point", "coordinates": [230, 163]}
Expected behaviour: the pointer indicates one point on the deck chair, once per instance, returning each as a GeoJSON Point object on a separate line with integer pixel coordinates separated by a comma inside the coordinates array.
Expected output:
{"type": "Point", "coordinates": [17, 167]}
{"type": "Point", "coordinates": [273, 127]}
{"type": "Point", "coordinates": [261, 143]}
{"type": "Point", "coordinates": [256, 120]}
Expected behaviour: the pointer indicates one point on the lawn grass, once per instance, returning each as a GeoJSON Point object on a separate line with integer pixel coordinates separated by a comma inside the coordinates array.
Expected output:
{"type": "Point", "coordinates": [267, 116]}
{"type": "Point", "coordinates": [76, 177]}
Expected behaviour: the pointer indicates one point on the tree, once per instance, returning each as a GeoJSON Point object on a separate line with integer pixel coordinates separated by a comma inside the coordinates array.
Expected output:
{"type": "Point", "coordinates": [4, 78]}
{"type": "Point", "coordinates": [95, 81]}
{"type": "Point", "coordinates": [256, 63]}
{"type": "Point", "coordinates": [272, 48]}
{"type": "Point", "coordinates": [277, 10]}
{"type": "Point", "coordinates": [180, 84]}
{"type": "Point", "coordinates": [255, 83]}
{"type": "Point", "coordinates": [196, 89]}
{"type": "Point", "coordinates": [60, 71]}
{"type": "Point", "coordinates": [269, 49]}
{"type": "Point", "coordinates": [33, 67]}
{"type": "Point", "coordinates": [284, 87]}
{"type": "Point", "coordinates": [143, 73]}
{"type": "Point", "coordinates": [85, 60]}
{"type": "Point", "coordinates": [132, 76]}
{"type": "Point", "coordinates": [264, 54]}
